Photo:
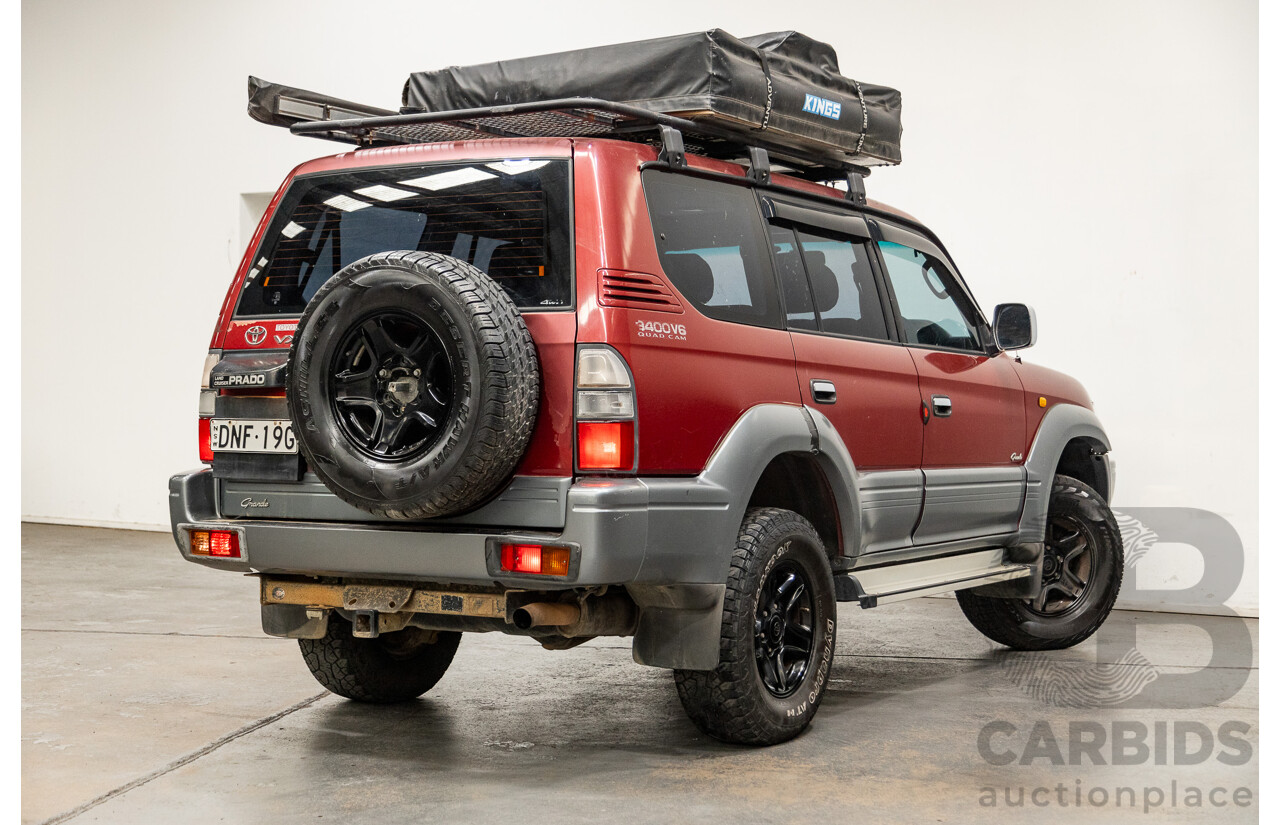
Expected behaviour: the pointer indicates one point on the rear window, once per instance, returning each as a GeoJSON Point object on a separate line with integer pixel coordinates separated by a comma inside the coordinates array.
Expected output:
{"type": "Point", "coordinates": [509, 218]}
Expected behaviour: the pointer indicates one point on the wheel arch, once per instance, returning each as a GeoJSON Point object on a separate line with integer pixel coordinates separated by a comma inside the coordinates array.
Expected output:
{"type": "Point", "coordinates": [1070, 441]}
{"type": "Point", "coordinates": [797, 482]}
{"type": "Point", "coordinates": [1083, 458]}
{"type": "Point", "coordinates": [797, 462]}
{"type": "Point", "coordinates": [769, 446]}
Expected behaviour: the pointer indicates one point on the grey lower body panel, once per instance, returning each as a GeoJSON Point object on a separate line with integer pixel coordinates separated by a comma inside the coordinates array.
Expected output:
{"type": "Point", "coordinates": [533, 502]}
{"type": "Point", "coordinates": [891, 501]}
{"type": "Point", "coordinates": [652, 536]}
{"type": "Point", "coordinates": [626, 532]}
{"type": "Point", "coordinates": [969, 502]}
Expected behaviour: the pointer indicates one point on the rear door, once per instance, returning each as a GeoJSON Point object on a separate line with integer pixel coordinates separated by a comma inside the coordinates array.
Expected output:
{"type": "Point", "coordinates": [511, 218]}
{"type": "Point", "coordinates": [972, 462]}
{"type": "Point", "coordinates": [851, 368]}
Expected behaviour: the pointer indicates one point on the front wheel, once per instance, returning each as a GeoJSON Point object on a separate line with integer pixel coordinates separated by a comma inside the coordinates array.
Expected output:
{"type": "Point", "coordinates": [1082, 570]}
{"type": "Point", "coordinates": [777, 636]}
{"type": "Point", "coordinates": [393, 667]}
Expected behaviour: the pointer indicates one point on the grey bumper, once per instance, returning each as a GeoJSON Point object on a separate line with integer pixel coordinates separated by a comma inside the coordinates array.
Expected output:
{"type": "Point", "coordinates": [610, 523]}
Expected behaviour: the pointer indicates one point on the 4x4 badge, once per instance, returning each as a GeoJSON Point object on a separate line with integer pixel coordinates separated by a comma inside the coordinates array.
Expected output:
{"type": "Point", "coordinates": [255, 335]}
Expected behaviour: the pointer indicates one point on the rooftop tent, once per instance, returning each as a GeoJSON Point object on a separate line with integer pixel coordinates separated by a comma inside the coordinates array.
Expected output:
{"type": "Point", "coordinates": [781, 88]}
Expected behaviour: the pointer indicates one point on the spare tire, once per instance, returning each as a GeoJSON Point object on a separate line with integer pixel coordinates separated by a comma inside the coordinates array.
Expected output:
{"type": "Point", "coordinates": [413, 385]}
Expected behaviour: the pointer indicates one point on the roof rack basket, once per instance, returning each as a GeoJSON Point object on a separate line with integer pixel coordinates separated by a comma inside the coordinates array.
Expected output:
{"type": "Point", "coordinates": [315, 115]}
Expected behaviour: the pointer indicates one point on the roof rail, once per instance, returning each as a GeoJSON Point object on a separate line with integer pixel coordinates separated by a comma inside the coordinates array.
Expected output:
{"type": "Point", "coordinates": [303, 113]}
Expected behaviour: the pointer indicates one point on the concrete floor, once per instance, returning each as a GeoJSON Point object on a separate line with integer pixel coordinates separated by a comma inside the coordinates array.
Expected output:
{"type": "Point", "coordinates": [151, 695]}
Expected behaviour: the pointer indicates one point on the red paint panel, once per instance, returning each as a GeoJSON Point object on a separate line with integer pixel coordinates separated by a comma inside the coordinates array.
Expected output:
{"type": "Point", "coordinates": [1054, 387]}
{"type": "Point", "coordinates": [877, 409]}
{"type": "Point", "coordinates": [987, 425]}
{"type": "Point", "coordinates": [551, 446]}
{"type": "Point", "coordinates": [691, 390]}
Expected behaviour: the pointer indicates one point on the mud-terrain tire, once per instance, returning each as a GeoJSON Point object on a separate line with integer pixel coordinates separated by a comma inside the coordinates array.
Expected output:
{"type": "Point", "coordinates": [413, 385]}
{"type": "Point", "coordinates": [394, 667]}
{"type": "Point", "coordinates": [779, 583]}
{"type": "Point", "coordinates": [1084, 551]}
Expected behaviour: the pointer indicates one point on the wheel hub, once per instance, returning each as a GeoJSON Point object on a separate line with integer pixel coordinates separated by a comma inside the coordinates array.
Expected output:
{"type": "Point", "coordinates": [403, 391]}
{"type": "Point", "coordinates": [776, 627]}
{"type": "Point", "coordinates": [390, 382]}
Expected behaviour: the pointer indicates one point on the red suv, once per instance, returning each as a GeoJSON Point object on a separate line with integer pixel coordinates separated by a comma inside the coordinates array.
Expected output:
{"type": "Point", "coordinates": [584, 385]}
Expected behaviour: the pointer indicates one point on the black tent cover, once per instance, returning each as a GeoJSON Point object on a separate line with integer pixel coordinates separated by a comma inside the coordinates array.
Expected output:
{"type": "Point", "coordinates": [782, 86]}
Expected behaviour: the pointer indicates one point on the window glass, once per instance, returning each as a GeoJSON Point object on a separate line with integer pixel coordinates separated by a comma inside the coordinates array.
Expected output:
{"type": "Point", "coordinates": [713, 247]}
{"type": "Point", "coordinates": [934, 309]}
{"type": "Point", "coordinates": [844, 289]}
{"type": "Point", "coordinates": [507, 218]}
{"type": "Point", "coordinates": [796, 299]}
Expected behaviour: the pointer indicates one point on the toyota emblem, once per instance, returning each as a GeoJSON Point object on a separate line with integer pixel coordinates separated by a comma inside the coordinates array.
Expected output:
{"type": "Point", "coordinates": [255, 335]}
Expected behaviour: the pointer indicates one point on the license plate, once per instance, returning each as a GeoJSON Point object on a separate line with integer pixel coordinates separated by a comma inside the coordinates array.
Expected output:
{"type": "Point", "coordinates": [231, 435]}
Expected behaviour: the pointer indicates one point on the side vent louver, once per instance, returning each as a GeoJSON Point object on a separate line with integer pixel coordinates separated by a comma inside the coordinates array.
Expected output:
{"type": "Point", "coordinates": [636, 290]}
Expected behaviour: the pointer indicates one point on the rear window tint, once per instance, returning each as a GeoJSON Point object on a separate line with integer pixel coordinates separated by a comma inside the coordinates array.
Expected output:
{"type": "Point", "coordinates": [713, 248]}
{"type": "Point", "coordinates": [843, 286]}
{"type": "Point", "coordinates": [509, 218]}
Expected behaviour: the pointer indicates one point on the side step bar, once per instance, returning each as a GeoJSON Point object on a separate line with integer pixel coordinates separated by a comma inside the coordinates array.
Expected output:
{"type": "Point", "coordinates": [909, 580]}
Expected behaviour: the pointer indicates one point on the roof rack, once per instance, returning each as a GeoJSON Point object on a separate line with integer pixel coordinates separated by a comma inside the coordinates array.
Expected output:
{"type": "Point", "coordinates": [308, 113]}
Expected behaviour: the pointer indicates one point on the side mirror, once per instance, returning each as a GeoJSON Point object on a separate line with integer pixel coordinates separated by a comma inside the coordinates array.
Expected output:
{"type": "Point", "coordinates": [1015, 326]}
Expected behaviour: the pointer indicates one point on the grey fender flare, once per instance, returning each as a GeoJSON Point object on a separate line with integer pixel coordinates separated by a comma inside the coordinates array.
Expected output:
{"type": "Point", "coordinates": [837, 465]}
{"type": "Point", "coordinates": [1060, 425]}
{"type": "Point", "coordinates": [693, 529]}
{"type": "Point", "coordinates": [694, 544]}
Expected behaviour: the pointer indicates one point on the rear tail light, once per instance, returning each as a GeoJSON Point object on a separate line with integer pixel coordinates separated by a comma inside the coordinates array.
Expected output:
{"type": "Point", "coordinates": [606, 445]}
{"type": "Point", "coordinates": [216, 543]}
{"type": "Point", "coordinates": [206, 441]}
{"type": "Point", "coordinates": [535, 558]}
{"type": "Point", "coordinates": [605, 409]}
{"type": "Point", "coordinates": [208, 399]}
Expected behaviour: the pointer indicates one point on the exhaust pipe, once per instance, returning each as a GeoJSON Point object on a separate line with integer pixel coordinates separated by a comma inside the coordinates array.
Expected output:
{"type": "Point", "coordinates": [613, 615]}
{"type": "Point", "coordinates": [546, 614]}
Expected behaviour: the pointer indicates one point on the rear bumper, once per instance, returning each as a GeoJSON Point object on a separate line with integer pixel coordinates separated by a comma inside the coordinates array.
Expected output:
{"type": "Point", "coordinates": [608, 522]}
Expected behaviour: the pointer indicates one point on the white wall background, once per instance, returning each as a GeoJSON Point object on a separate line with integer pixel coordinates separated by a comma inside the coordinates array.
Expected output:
{"type": "Point", "coordinates": [1098, 160]}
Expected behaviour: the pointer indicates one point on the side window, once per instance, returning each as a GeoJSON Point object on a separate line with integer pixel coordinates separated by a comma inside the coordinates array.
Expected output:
{"type": "Point", "coordinates": [713, 247]}
{"type": "Point", "coordinates": [844, 290]}
{"type": "Point", "coordinates": [934, 309]}
{"type": "Point", "coordinates": [796, 298]}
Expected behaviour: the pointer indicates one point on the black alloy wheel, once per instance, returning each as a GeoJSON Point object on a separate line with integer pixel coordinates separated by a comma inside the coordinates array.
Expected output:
{"type": "Point", "coordinates": [784, 629]}
{"type": "Point", "coordinates": [1068, 567]}
{"type": "Point", "coordinates": [391, 385]}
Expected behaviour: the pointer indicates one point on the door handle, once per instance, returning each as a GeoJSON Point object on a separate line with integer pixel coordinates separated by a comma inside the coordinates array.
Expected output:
{"type": "Point", "coordinates": [824, 392]}
{"type": "Point", "coordinates": [941, 406]}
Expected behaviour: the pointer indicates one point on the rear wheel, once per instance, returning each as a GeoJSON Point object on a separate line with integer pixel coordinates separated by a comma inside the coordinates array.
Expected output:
{"type": "Point", "coordinates": [1082, 571]}
{"type": "Point", "coordinates": [393, 667]}
{"type": "Point", "coordinates": [777, 636]}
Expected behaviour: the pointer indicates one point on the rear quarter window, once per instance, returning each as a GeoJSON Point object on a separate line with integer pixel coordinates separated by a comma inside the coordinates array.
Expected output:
{"type": "Point", "coordinates": [509, 218]}
{"type": "Point", "coordinates": [712, 245]}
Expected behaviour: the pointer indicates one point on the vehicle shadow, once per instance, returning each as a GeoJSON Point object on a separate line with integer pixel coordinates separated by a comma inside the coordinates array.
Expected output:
{"type": "Point", "coordinates": [587, 715]}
